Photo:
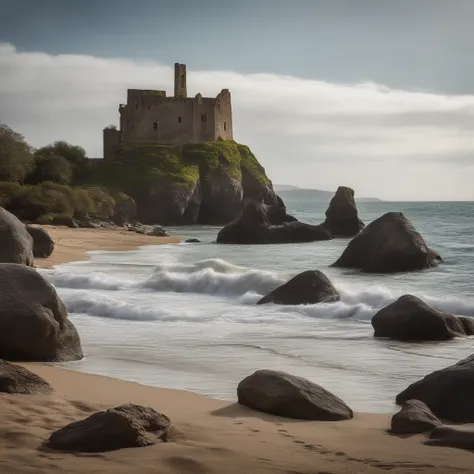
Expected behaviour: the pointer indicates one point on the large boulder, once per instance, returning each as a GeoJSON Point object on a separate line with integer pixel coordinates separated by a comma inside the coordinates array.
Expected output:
{"type": "Point", "coordinates": [17, 379]}
{"type": "Point", "coordinates": [43, 244]}
{"type": "Point", "coordinates": [448, 392]}
{"type": "Point", "coordinates": [388, 244]}
{"type": "Point", "coordinates": [342, 219]}
{"type": "Point", "coordinates": [34, 325]}
{"type": "Point", "coordinates": [125, 426]}
{"type": "Point", "coordinates": [461, 437]}
{"type": "Point", "coordinates": [254, 226]}
{"type": "Point", "coordinates": [414, 417]}
{"type": "Point", "coordinates": [309, 287]}
{"type": "Point", "coordinates": [282, 394]}
{"type": "Point", "coordinates": [411, 319]}
{"type": "Point", "coordinates": [16, 244]}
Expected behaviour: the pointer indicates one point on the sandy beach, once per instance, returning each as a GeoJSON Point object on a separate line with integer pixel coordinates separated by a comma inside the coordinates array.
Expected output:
{"type": "Point", "coordinates": [209, 436]}
{"type": "Point", "coordinates": [72, 245]}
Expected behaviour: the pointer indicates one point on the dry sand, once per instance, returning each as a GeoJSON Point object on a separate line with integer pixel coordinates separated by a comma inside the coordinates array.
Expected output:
{"type": "Point", "coordinates": [71, 245]}
{"type": "Point", "coordinates": [213, 436]}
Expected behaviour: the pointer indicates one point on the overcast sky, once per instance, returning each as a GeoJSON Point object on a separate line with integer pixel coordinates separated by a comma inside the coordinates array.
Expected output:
{"type": "Point", "coordinates": [373, 94]}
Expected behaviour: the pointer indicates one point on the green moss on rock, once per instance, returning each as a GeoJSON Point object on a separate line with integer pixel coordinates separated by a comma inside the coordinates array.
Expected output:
{"type": "Point", "coordinates": [145, 163]}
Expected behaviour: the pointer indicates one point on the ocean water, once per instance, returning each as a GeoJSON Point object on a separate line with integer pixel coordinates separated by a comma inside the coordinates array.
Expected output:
{"type": "Point", "coordinates": [184, 316]}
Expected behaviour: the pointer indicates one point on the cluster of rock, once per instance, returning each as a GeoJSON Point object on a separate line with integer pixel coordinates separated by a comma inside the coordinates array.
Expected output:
{"type": "Point", "coordinates": [261, 222]}
{"type": "Point", "coordinates": [388, 244]}
{"type": "Point", "coordinates": [71, 222]}
{"type": "Point", "coordinates": [438, 401]}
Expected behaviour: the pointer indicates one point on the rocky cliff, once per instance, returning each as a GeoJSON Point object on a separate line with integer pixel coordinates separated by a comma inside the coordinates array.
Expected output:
{"type": "Point", "coordinates": [201, 183]}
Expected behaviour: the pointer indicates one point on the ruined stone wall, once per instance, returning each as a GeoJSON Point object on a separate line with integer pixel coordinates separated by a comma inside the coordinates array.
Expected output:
{"type": "Point", "coordinates": [111, 141]}
{"type": "Point", "coordinates": [223, 113]}
{"type": "Point", "coordinates": [151, 117]}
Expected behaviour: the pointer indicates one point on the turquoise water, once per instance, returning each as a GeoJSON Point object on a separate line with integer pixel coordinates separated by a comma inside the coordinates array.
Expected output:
{"type": "Point", "coordinates": [184, 316]}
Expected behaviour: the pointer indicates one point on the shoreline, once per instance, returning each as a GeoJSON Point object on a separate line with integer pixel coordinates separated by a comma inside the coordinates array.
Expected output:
{"type": "Point", "coordinates": [210, 436]}
{"type": "Point", "coordinates": [73, 245]}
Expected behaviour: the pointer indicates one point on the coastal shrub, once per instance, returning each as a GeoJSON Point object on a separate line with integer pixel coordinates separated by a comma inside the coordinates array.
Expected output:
{"type": "Point", "coordinates": [52, 168]}
{"type": "Point", "coordinates": [42, 202]}
{"type": "Point", "coordinates": [30, 202]}
{"type": "Point", "coordinates": [16, 158]}
{"type": "Point", "coordinates": [125, 209]}
{"type": "Point", "coordinates": [75, 155]}
{"type": "Point", "coordinates": [102, 204]}
{"type": "Point", "coordinates": [8, 191]}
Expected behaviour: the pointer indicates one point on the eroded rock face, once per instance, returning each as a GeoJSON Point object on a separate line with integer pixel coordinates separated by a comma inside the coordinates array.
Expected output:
{"type": "Point", "coordinates": [448, 392]}
{"type": "Point", "coordinates": [309, 287]}
{"type": "Point", "coordinates": [414, 417]}
{"type": "Point", "coordinates": [282, 394]}
{"type": "Point", "coordinates": [461, 437]}
{"type": "Point", "coordinates": [43, 244]}
{"type": "Point", "coordinates": [34, 325]}
{"type": "Point", "coordinates": [388, 244]}
{"type": "Point", "coordinates": [16, 244]}
{"type": "Point", "coordinates": [411, 319]}
{"type": "Point", "coordinates": [125, 426]}
{"type": "Point", "coordinates": [254, 226]}
{"type": "Point", "coordinates": [17, 379]}
{"type": "Point", "coordinates": [342, 219]}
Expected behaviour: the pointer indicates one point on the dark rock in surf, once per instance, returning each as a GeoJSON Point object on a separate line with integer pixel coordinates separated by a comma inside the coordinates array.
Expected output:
{"type": "Point", "coordinates": [411, 319]}
{"type": "Point", "coordinates": [448, 392]}
{"type": "Point", "coordinates": [388, 244]}
{"type": "Point", "coordinates": [309, 287]}
{"type": "Point", "coordinates": [192, 241]}
{"type": "Point", "coordinates": [414, 417]}
{"type": "Point", "coordinates": [125, 426]}
{"type": "Point", "coordinates": [342, 219]}
{"type": "Point", "coordinates": [253, 226]}
{"type": "Point", "coordinates": [282, 394]}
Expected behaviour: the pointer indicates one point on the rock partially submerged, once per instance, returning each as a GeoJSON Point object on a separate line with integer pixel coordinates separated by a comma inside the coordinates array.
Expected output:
{"type": "Point", "coordinates": [461, 437]}
{"type": "Point", "coordinates": [309, 287]}
{"type": "Point", "coordinates": [43, 244]}
{"type": "Point", "coordinates": [411, 319]}
{"type": "Point", "coordinates": [448, 392]}
{"type": "Point", "coordinates": [16, 244]}
{"type": "Point", "coordinates": [414, 417]}
{"type": "Point", "coordinates": [34, 324]}
{"type": "Point", "coordinates": [388, 244]}
{"type": "Point", "coordinates": [125, 426]}
{"type": "Point", "coordinates": [17, 379]}
{"type": "Point", "coordinates": [282, 394]}
{"type": "Point", "coordinates": [342, 219]}
{"type": "Point", "coordinates": [254, 226]}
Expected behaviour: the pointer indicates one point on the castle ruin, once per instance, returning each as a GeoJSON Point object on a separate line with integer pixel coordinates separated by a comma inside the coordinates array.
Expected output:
{"type": "Point", "coordinates": [150, 117]}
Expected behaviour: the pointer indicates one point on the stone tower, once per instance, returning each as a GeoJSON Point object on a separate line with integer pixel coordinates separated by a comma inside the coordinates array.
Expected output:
{"type": "Point", "coordinates": [180, 89]}
{"type": "Point", "coordinates": [150, 117]}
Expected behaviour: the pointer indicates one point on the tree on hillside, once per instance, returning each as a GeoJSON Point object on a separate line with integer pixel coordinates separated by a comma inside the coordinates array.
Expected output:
{"type": "Point", "coordinates": [16, 159]}
{"type": "Point", "coordinates": [50, 168]}
{"type": "Point", "coordinates": [75, 155]}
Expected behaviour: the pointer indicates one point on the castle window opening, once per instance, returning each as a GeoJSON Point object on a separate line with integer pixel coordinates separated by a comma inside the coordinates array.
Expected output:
{"type": "Point", "coordinates": [204, 117]}
{"type": "Point", "coordinates": [179, 120]}
{"type": "Point", "coordinates": [225, 126]}
{"type": "Point", "coordinates": [155, 125]}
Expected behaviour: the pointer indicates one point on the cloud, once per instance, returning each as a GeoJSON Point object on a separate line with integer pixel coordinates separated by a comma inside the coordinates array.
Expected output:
{"type": "Point", "coordinates": [384, 142]}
